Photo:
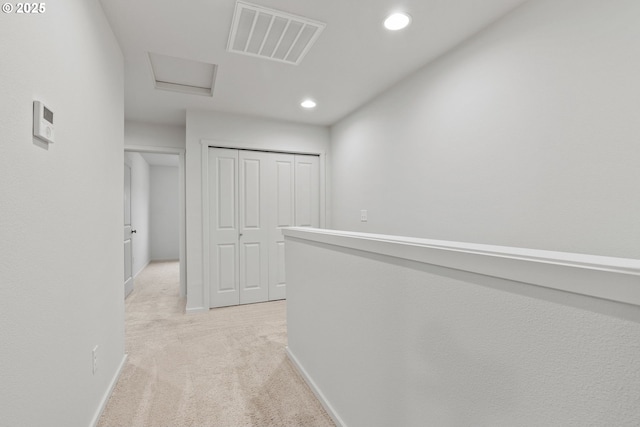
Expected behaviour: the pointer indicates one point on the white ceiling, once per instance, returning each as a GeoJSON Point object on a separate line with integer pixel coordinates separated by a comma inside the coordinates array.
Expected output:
{"type": "Point", "coordinates": [353, 60]}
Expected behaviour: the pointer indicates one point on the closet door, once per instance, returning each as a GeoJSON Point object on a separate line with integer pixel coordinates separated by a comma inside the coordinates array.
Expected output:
{"type": "Point", "coordinates": [223, 227]}
{"type": "Point", "coordinates": [254, 196]}
{"type": "Point", "coordinates": [307, 191]}
{"type": "Point", "coordinates": [282, 214]}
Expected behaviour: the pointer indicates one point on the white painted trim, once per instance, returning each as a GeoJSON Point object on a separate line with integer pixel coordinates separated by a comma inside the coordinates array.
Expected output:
{"type": "Point", "coordinates": [128, 288]}
{"type": "Point", "coordinates": [107, 394]}
{"type": "Point", "coordinates": [143, 267]}
{"type": "Point", "coordinates": [154, 149]}
{"type": "Point", "coordinates": [323, 191]}
{"type": "Point", "coordinates": [616, 279]}
{"type": "Point", "coordinates": [206, 291]}
{"type": "Point", "coordinates": [316, 390]}
{"type": "Point", "coordinates": [194, 310]}
{"type": "Point", "coordinates": [182, 218]}
{"type": "Point", "coordinates": [243, 146]}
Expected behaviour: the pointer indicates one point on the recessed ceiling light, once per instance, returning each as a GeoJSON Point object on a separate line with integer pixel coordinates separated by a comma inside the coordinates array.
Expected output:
{"type": "Point", "coordinates": [308, 104]}
{"type": "Point", "coordinates": [397, 21]}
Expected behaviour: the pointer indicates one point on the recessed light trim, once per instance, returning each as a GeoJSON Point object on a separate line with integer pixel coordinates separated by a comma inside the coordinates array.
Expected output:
{"type": "Point", "coordinates": [397, 21]}
{"type": "Point", "coordinates": [308, 104]}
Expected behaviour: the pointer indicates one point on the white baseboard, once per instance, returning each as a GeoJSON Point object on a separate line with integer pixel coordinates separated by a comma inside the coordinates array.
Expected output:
{"type": "Point", "coordinates": [325, 403]}
{"type": "Point", "coordinates": [195, 310]}
{"type": "Point", "coordinates": [107, 394]}
{"type": "Point", "coordinates": [143, 267]}
{"type": "Point", "coordinates": [128, 288]}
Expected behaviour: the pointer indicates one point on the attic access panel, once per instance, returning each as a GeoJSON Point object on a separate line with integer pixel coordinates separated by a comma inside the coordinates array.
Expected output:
{"type": "Point", "coordinates": [272, 34]}
{"type": "Point", "coordinates": [182, 75]}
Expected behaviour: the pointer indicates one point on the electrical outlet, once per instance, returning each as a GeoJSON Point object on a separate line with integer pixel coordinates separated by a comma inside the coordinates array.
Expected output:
{"type": "Point", "coordinates": [94, 354]}
{"type": "Point", "coordinates": [363, 215]}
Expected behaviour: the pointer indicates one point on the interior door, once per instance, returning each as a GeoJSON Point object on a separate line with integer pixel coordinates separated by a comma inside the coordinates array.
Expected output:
{"type": "Point", "coordinates": [128, 260]}
{"type": "Point", "coordinates": [223, 227]}
{"type": "Point", "coordinates": [254, 196]}
{"type": "Point", "coordinates": [282, 214]}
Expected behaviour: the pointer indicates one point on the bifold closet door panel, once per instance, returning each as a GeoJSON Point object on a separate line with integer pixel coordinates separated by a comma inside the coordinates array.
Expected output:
{"type": "Point", "coordinates": [254, 196]}
{"type": "Point", "coordinates": [307, 191]}
{"type": "Point", "coordinates": [282, 214]}
{"type": "Point", "coordinates": [223, 227]}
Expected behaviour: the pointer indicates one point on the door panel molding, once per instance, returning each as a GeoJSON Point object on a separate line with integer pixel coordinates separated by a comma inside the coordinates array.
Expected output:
{"type": "Point", "coordinates": [253, 237]}
{"type": "Point", "coordinates": [223, 281]}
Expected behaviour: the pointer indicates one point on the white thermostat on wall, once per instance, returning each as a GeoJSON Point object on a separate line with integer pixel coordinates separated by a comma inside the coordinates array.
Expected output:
{"type": "Point", "coordinates": [43, 122]}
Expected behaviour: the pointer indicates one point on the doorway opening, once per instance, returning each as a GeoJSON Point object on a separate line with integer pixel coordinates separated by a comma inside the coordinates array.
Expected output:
{"type": "Point", "coordinates": [157, 208]}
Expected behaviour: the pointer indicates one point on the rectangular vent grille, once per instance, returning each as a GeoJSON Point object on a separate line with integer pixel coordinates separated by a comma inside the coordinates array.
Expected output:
{"type": "Point", "coordinates": [272, 34]}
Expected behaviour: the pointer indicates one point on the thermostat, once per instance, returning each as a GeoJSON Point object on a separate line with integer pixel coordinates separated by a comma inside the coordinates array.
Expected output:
{"type": "Point", "coordinates": [43, 122]}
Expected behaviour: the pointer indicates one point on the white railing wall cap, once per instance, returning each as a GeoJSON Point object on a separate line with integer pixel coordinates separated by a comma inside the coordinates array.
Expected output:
{"type": "Point", "coordinates": [611, 278]}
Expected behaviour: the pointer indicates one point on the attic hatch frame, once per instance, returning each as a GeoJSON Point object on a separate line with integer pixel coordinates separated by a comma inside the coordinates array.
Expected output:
{"type": "Point", "coordinates": [287, 49]}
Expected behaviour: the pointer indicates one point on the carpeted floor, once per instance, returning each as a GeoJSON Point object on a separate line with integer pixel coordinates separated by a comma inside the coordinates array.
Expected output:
{"type": "Point", "coordinates": [225, 368]}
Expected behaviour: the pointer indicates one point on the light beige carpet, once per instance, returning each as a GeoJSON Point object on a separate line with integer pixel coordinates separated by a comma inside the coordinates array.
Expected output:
{"type": "Point", "coordinates": [227, 367]}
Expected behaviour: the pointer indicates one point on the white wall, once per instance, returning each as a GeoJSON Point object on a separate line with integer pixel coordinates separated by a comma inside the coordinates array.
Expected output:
{"type": "Point", "coordinates": [140, 214]}
{"type": "Point", "coordinates": [526, 136]}
{"type": "Point", "coordinates": [164, 213]}
{"type": "Point", "coordinates": [61, 257]}
{"type": "Point", "coordinates": [153, 134]}
{"type": "Point", "coordinates": [390, 339]}
{"type": "Point", "coordinates": [236, 132]}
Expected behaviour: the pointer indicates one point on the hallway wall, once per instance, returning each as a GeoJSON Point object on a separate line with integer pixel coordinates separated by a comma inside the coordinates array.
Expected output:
{"type": "Point", "coordinates": [413, 333]}
{"type": "Point", "coordinates": [526, 135]}
{"type": "Point", "coordinates": [61, 256]}
{"type": "Point", "coordinates": [164, 213]}
{"type": "Point", "coordinates": [153, 134]}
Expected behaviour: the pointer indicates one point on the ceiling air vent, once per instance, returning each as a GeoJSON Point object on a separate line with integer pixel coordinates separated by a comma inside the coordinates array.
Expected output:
{"type": "Point", "coordinates": [272, 34]}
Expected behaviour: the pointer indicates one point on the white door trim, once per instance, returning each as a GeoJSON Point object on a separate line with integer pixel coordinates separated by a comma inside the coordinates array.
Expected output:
{"type": "Point", "coordinates": [182, 207]}
{"type": "Point", "coordinates": [206, 291]}
{"type": "Point", "coordinates": [204, 155]}
{"type": "Point", "coordinates": [128, 240]}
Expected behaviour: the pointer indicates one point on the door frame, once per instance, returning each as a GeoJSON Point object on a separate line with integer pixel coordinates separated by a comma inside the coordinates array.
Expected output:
{"type": "Point", "coordinates": [205, 145]}
{"type": "Point", "coordinates": [182, 251]}
{"type": "Point", "coordinates": [128, 284]}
